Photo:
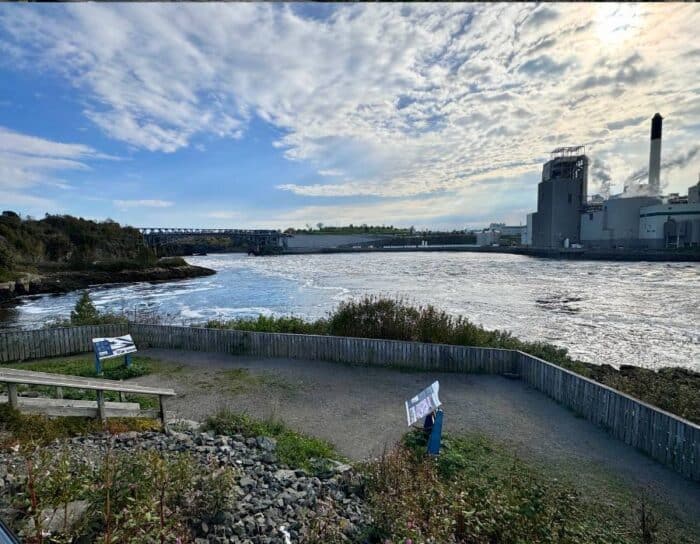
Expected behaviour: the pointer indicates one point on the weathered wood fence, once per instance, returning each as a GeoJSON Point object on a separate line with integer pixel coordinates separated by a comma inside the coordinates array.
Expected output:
{"type": "Point", "coordinates": [669, 439]}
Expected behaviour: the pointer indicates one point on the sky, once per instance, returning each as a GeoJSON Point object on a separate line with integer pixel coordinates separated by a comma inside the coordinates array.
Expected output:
{"type": "Point", "coordinates": [285, 115]}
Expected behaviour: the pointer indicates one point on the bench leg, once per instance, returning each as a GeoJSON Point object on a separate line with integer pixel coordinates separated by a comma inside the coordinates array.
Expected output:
{"type": "Point", "coordinates": [101, 414]}
{"type": "Point", "coordinates": [163, 420]}
{"type": "Point", "coordinates": [12, 395]}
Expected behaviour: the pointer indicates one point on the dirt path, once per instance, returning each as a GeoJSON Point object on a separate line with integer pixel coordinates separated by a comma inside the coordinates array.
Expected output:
{"type": "Point", "coordinates": [360, 410]}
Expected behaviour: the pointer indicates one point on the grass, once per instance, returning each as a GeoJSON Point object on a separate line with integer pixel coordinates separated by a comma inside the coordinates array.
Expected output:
{"type": "Point", "coordinates": [240, 380]}
{"type": "Point", "coordinates": [478, 491]}
{"type": "Point", "coordinates": [293, 449]}
{"type": "Point", "coordinates": [21, 428]}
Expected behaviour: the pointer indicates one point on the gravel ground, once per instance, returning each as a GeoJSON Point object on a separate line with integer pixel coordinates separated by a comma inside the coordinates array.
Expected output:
{"type": "Point", "coordinates": [360, 410]}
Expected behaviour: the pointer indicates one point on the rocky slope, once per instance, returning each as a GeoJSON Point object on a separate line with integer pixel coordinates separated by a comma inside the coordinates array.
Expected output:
{"type": "Point", "coordinates": [273, 503]}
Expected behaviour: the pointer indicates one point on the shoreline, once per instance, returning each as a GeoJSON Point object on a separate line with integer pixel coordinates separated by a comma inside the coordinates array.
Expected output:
{"type": "Point", "coordinates": [65, 282]}
{"type": "Point", "coordinates": [566, 254]}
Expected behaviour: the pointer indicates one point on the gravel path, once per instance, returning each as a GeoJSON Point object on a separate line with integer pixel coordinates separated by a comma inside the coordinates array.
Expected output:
{"type": "Point", "coordinates": [360, 410]}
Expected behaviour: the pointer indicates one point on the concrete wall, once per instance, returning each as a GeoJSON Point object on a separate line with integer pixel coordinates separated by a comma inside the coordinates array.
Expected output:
{"type": "Point", "coordinates": [319, 241]}
{"type": "Point", "coordinates": [670, 440]}
{"type": "Point", "coordinates": [662, 224]}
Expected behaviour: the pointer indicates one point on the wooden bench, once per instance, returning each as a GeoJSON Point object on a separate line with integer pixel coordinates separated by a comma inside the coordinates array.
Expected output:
{"type": "Point", "coordinates": [101, 409]}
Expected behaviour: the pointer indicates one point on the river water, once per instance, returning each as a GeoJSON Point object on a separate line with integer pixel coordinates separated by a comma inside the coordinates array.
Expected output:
{"type": "Point", "coordinates": [645, 314]}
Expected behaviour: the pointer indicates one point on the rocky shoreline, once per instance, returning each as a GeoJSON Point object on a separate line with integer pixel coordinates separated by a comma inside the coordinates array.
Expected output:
{"type": "Point", "coordinates": [63, 282]}
{"type": "Point", "coordinates": [272, 503]}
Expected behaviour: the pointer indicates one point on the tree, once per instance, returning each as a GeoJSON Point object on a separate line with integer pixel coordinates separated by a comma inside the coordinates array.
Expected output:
{"type": "Point", "coordinates": [84, 312]}
{"type": "Point", "coordinates": [319, 225]}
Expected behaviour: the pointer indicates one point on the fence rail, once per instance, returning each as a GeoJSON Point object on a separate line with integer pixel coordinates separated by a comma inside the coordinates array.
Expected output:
{"type": "Point", "coordinates": [669, 439]}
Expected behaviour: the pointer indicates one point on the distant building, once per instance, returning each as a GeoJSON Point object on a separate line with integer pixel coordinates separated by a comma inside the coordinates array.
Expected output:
{"type": "Point", "coordinates": [561, 196]}
{"type": "Point", "coordinates": [488, 237]}
{"type": "Point", "coordinates": [508, 230]}
{"type": "Point", "coordinates": [673, 224]}
{"type": "Point", "coordinates": [614, 223]}
{"type": "Point", "coordinates": [526, 236]}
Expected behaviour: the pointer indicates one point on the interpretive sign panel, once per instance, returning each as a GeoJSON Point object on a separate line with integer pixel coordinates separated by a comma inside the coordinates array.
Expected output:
{"type": "Point", "coordinates": [106, 348]}
{"type": "Point", "coordinates": [423, 403]}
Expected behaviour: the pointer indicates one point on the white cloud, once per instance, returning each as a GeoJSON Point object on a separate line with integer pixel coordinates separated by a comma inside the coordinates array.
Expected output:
{"type": "Point", "coordinates": [146, 203]}
{"type": "Point", "coordinates": [400, 100]}
{"type": "Point", "coordinates": [26, 161]}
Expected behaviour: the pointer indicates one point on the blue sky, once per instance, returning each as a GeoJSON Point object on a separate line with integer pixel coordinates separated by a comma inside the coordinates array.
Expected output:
{"type": "Point", "coordinates": [262, 115]}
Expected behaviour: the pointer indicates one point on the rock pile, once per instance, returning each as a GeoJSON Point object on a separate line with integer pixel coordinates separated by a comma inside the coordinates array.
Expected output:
{"type": "Point", "coordinates": [273, 503]}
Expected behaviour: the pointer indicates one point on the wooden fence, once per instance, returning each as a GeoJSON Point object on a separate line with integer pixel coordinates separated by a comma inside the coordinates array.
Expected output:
{"type": "Point", "coordinates": [671, 440]}
{"type": "Point", "coordinates": [329, 348]}
{"type": "Point", "coordinates": [23, 345]}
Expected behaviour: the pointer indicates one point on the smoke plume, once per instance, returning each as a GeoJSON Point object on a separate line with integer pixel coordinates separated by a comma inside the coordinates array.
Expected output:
{"type": "Point", "coordinates": [601, 174]}
{"type": "Point", "coordinates": [679, 161]}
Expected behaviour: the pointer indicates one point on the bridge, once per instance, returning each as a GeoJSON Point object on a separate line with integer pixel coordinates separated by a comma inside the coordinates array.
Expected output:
{"type": "Point", "coordinates": [258, 241]}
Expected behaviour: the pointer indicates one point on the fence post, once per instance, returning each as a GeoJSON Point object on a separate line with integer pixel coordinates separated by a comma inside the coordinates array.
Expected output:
{"type": "Point", "coordinates": [163, 419]}
{"type": "Point", "coordinates": [12, 395]}
{"type": "Point", "coordinates": [101, 414]}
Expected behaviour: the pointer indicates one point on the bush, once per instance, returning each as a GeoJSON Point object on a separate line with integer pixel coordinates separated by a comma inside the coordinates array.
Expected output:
{"type": "Point", "coordinates": [171, 262]}
{"type": "Point", "coordinates": [85, 313]}
{"type": "Point", "coordinates": [132, 497]}
{"type": "Point", "coordinates": [477, 492]}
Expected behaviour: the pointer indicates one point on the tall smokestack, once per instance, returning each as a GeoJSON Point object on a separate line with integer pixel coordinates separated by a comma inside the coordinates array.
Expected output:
{"type": "Point", "coordinates": [655, 155]}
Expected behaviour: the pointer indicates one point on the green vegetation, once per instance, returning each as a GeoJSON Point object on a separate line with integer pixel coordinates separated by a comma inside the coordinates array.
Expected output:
{"type": "Point", "coordinates": [62, 242]}
{"type": "Point", "coordinates": [240, 380]}
{"type": "Point", "coordinates": [132, 497]}
{"type": "Point", "coordinates": [283, 324]}
{"type": "Point", "coordinates": [293, 449]}
{"type": "Point", "coordinates": [673, 389]}
{"type": "Point", "coordinates": [84, 365]}
{"type": "Point", "coordinates": [85, 313]}
{"type": "Point", "coordinates": [28, 429]}
{"type": "Point", "coordinates": [477, 491]}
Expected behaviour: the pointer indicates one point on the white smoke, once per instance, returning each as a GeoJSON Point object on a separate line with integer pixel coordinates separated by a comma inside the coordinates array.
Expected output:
{"type": "Point", "coordinates": [634, 184]}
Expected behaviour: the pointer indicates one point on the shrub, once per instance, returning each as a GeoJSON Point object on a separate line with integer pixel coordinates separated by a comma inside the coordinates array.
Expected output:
{"type": "Point", "coordinates": [132, 497]}
{"type": "Point", "coordinates": [85, 313]}
{"type": "Point", "coordinates": [170, 262]}
{"type": "Point", "coordinates": [477, 492]}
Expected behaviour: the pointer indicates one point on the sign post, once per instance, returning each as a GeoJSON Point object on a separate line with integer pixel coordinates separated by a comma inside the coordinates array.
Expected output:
{"type": "Point", "coordinates": [107, 348]}
{"type": "Point", "coordinates": [427, 404]}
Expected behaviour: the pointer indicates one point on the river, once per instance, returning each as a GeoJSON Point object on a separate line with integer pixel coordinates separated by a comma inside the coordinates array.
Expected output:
{"type": "Point", "coordinates": [645, 314]}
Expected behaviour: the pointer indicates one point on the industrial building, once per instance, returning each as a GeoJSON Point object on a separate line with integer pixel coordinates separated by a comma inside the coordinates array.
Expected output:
{"type": "Point", "coordinates": [561, 195]}
{"type": "Point", "coordinates": [640, 217]}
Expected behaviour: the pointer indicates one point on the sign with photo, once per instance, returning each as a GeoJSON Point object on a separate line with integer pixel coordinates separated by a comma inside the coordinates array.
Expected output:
{"type": "Point", "coordinates": [423, 403]}
{"type": "Point", "coordinates": [106, 348]}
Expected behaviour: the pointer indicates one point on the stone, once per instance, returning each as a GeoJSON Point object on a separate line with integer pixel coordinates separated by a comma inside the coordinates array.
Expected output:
{"type": "Point", "coordinates": [266, 443]}
{"type": "Point", "coordinates": [52, 520]}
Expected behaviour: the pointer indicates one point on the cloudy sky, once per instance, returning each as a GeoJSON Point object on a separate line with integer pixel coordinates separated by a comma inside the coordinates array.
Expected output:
{"type": "Point", "coordinates": [261, 115]}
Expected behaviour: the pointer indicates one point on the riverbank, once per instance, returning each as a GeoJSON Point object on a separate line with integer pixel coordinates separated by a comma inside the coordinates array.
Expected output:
{"type": "Point", "coordinates": [66, 281]}
{"type": "Point", "coordinates": [556, 253]}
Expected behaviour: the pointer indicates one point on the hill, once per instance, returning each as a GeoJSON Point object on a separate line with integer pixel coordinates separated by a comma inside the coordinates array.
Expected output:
{"type": "Point", "coordinates": [61, 252]}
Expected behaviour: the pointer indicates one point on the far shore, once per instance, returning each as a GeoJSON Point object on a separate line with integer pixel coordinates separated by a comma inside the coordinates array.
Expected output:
{"type": "Point", "coordinates": [66, 281]}
{"type": "Point", "coordinates": [557, 253]}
